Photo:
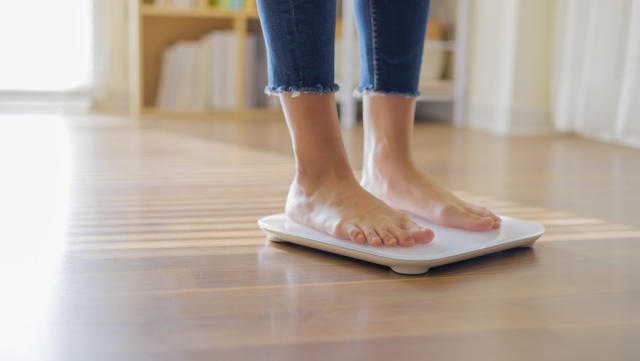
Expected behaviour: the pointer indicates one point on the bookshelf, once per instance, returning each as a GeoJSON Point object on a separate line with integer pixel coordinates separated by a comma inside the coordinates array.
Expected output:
{"type": "Point", "coordinates": [154, 27]}
{"type": "Point", "coordinates": [451, 89]}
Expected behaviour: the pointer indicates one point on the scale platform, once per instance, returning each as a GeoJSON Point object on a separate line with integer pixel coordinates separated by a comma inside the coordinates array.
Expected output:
{"type": "Point", "coordinates": [449, 245]}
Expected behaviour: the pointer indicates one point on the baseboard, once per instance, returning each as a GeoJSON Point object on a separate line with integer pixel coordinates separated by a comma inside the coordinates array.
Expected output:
{"type": "Point", "coordinates": [515, 120]}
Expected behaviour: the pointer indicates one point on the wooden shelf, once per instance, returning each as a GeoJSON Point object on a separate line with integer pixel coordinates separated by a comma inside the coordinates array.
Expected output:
{"type": "Point", "coordinates": [440, 45]}
{"type": "Point", "coordinates": [247, 113]}
{"type": "Point", "coordinates": [432, 91]}
{"type": "Point", "coordinates": [437, 91]}
{"type": "Point", "coordinates": [197, 12]}
{"type": "Point", "coordinates": [450, 90]}
{"type": "Point", "coordinates": [153, 28]}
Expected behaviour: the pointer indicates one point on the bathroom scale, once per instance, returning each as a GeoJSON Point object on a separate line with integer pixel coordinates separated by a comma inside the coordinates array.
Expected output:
{"type": "Point", "coordinates": [449, 245]}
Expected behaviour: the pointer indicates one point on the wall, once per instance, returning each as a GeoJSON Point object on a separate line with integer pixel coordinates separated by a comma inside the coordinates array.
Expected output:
{"type": "Point", "coordinates": [509, 66]}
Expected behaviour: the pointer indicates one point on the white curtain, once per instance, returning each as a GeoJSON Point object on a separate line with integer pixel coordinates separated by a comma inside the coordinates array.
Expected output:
{"type": "Point", "coordinates": [596, 69]}
{"type": "Point", "coordinates": [111, 52]}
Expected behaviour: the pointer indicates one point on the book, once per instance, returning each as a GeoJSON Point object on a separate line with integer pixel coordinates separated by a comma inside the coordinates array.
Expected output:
{"type": "Point", "coordinates": [179, 4]}
{"type": "Point", "coordinates": [218, 66]}
{"type": "Point", "coordinates": [229, 4]}
{"type": "Point", "coordinates": [203, 83]}
{"type": "Point", "coordinates": [185, 60]}
{"type": "Point", "coordinates": [230, 69]}
{"type": "Point", "coordinates": [163, 98]}
{"type": "Point", "coordinates": [251, 65]}
{"type": "Point", "coordinates": [201, 74]}
{"type": "Point", "coordinates": [193, 72]}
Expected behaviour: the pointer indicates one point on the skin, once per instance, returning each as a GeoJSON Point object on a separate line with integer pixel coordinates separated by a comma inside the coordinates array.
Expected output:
{"type": "Point", "coordinates": [326, 196]}
{"type": "Point", "coordinates": [388, 171]}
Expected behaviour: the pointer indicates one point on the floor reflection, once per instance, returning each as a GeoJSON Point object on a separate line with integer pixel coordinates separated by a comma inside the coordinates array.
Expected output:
{"type": "Point", "coordinates": [35, 197]}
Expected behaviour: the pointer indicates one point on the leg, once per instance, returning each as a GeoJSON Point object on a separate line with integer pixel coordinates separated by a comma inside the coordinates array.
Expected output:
{"type": "Point", "coordinates": [391, 46]}
{"type": "Point", "coordinates": [324, 194]}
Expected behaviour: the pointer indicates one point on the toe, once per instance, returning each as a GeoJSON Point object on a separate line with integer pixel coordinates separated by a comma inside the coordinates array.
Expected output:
{"type": "Point", "coordinates": [356, 235]}
{"type": "Point", "coordinates": [476, 223]}
{"type": "Point", "coordinates": [484, 212]}
{"type": "Point", "coordinates": [388, 239]}
{"type": "Point", "coordinates": [418, 233]}
{"type": "Point", "coordinates": [403, 236]}
{"type": "Point", "coordinates": [496, 223]}
{"type": "Point", "coordinates": [458, 217]}
{"type": "Point", "coordinates": [372, 237]}
{"type": "Point", "coordinates": [487, 213]}
{"type": "Point", "coordinates": [422, 235]}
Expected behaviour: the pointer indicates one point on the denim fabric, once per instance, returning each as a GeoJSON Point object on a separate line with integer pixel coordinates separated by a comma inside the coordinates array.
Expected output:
{"type": "Point", "coordinates": [300, 36]}
{"type": "Point", "coordinates": [391, 37]}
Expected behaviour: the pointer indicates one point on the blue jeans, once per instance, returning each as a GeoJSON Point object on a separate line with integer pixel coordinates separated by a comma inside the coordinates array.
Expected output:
{"type": "Point", "coordinates": [300, 36]}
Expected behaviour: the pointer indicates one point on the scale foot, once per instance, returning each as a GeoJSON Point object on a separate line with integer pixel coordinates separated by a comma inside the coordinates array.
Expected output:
{"type": "Point", "coordinates": [410, 270]}
{"type": "Point", "coordinates": [528, 244]}
{"type": "Point", "coordinates": [273, 238]}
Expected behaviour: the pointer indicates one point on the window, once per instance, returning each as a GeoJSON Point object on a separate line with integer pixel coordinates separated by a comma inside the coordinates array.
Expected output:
{"type": "Point", "coordinates": [46, 45]}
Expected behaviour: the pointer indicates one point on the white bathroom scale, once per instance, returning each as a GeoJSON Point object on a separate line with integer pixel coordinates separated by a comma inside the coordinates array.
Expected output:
{"type": "Point", "coordinates": [449, 245]}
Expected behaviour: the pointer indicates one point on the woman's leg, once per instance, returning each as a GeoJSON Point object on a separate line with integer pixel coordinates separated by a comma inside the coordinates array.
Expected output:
{"type": "Point", "coordinates": [391, 46]}
{"type": "Point", "coordinates": [324, 193]}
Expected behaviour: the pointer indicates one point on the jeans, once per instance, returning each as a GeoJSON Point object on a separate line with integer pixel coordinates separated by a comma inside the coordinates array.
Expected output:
{"type": "Point", "coordinates": [300, 36]}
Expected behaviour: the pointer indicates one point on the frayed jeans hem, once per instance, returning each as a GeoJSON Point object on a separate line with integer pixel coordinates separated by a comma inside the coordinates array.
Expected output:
{"type": "Point", "coordinates": [318, 89]}
{"type": "Point", "coordinates": [359, 92]}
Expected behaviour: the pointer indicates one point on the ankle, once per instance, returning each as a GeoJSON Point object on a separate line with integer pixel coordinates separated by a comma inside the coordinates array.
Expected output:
{"type": "Point", "coordinates": [386, 164]}
{"type": "Point", "coordinates": [312, 177]}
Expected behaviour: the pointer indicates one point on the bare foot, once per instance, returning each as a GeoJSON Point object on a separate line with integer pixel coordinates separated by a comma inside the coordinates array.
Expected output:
{"type": "Point", "coordinates": [325, 194]}
{"type": "Point", "coordinates": [389, 174]}
{"type": "Point", "coordinates": [404, 187]}
{"type": "Point", "coordinates": [340, 207]}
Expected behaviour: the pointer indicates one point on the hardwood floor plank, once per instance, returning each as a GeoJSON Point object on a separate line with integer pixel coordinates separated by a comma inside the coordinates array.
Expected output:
{"type": "Point", "coordinates": [140, 242]}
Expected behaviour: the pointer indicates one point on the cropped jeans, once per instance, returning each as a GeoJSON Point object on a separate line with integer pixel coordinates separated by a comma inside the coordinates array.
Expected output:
{"type": "Point", "coordinates": [300, 37]}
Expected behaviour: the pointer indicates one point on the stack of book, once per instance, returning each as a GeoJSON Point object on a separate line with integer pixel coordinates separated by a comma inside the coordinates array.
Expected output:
{"type": "Point", "coordinates": [227, 4]}
{"type": "Point", "coordinates": [222, 4]}
{"type": "Point", "coordinates": [179, 4]}
{"type": "Point", "coordinates": [201, 75]}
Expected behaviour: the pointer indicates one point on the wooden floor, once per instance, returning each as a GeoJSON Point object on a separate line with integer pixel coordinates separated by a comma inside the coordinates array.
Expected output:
{"type": "Point", "coordinates": [137, 240]}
